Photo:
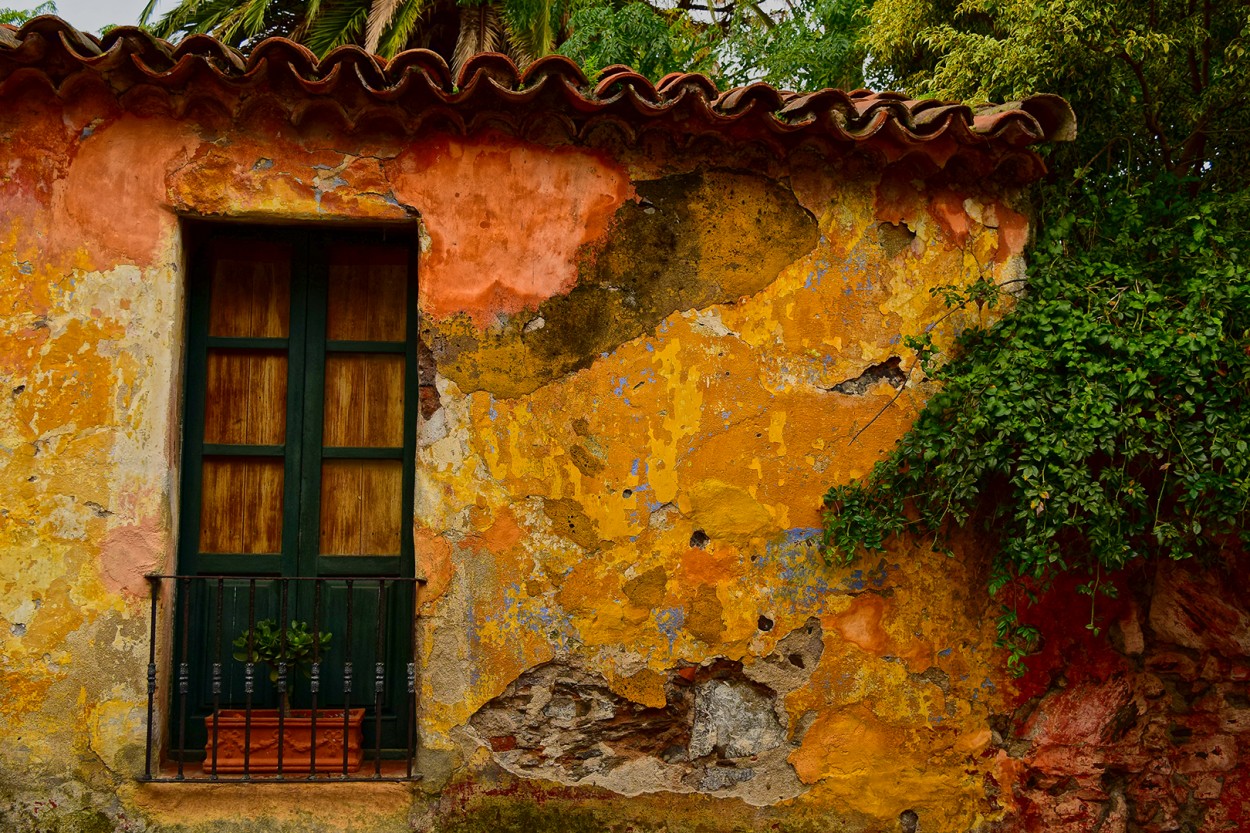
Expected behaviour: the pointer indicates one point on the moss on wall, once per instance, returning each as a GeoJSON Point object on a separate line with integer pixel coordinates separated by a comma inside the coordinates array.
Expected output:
{"type": "Point", "coordinates": [686, 242]}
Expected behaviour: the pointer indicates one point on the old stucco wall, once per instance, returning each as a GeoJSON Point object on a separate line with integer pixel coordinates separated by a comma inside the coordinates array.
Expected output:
{"type": "Point", "coordinates": [646, 370]}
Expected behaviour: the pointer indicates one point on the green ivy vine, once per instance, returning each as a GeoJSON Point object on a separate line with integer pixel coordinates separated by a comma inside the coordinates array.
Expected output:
{"type": "Point", "coordinates": [1105, 419]}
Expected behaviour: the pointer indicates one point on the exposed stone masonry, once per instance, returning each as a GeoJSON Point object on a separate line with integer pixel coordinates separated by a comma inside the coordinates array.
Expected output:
{"type": "Point", "coordinates": [723, 728]}
{"type": "Point", "coordinates": [1144, 731]}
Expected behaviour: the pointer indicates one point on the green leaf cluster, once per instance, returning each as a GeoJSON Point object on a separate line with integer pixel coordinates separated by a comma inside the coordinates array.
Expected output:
{"type": "Point", "coordinates": [801, 44]}
{"type": "Point", "coordinates": [651, 41]}
{"type": "Point", "coordinates": [16, 17]}
{"type": "Point", "coordinates": [1106, 419]}
{"type": "Point", "coordinates": [1159, 85]}
{"type": "Point", "coordinates": [269, 643]}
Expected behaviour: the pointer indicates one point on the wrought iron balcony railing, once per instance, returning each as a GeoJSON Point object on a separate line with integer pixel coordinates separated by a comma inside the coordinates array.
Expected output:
{"type": "Point", "coordinates": [259, 678]}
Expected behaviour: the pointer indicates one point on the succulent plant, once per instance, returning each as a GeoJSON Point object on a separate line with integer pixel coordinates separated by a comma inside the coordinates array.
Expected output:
{"type": "Point", "coordinates": [273, 645]}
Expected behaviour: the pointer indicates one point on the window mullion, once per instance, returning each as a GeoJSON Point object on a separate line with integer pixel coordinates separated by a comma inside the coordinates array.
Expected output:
{"type": "Point", "coordinates": [199, 291]}
{"type": "Point", "coordinates": [412, 397]}
{"type": "Point", "coordinates": [316, 271]}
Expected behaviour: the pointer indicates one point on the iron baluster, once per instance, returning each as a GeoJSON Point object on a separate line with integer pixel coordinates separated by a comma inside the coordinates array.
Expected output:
{"type": "Point", "coordinates": [282, 675]}
{"type": "Point", "coordinates": [154, 583]}
{"type": "Point", "coordinates": [183, 675]}
{"type": "Point", "coordinates": [315, 683]}
{"type": "Point", "coordinates": [379, 676]}
{"type": "Point", "coordinates": [347, 674]}
{"type": "Point", "coordinates": [249, 671]}
{"type": "Point", "coordinates": [221, 592]}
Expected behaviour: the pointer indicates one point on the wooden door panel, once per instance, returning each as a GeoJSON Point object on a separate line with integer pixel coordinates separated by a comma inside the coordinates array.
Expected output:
{"type": "Point", "coordinates": [381, 493]}
{"type": "Point", "coordinates": [364, 400]}
{"type": "Point", "coordinates": [241, 505]}
{"type": "Point", "coordinates": [251, 290]}
{"type": "Point", "coordinates": [246, 397]}
{"type": "Point", "coordinates": [368, 293]}
{"type": "Point", "coordinates": [361, 507]}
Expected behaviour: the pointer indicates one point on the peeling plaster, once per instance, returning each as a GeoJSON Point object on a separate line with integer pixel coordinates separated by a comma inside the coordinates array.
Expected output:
{"type": "Point", "coordinates": [627, 428]}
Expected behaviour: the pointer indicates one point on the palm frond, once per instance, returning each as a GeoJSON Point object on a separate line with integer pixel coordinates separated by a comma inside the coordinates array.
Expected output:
{"type": "Point", "coordinates": [181, 18]}
{"type": "Point", "coordinates": [403, 25]}
{"type": "Point", "coordinates": [231, 22]}
{"type": "Point", "coordinates": [252, 19]}
{"type": "Point", "coordinates": [306, 21]}
{"type": "Point", "coordinates": [481, 30]}
{"type": "Point", "coordinates": [339, 23]}
{"type": "Point", "coordinates": [196, 16]}
{"type": "Point", "coordinates": [531, 29]}
{"type": "Point", "coordinates": [380, 14]}
{"type": "Point", "coordinates": [146, 14]}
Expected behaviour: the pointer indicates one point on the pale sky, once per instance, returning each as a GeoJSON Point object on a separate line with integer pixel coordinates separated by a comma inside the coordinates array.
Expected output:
{"type": "Point", "coordinates": [90, 15]}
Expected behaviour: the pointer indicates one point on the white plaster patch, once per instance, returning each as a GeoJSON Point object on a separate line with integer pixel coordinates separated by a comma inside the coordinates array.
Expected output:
{"type": "Point", "coordinates": [23, 613]}
{"type": "Point", "coordinates": [709, 321]}
{"type": "Point", "coordinates": [67, 520]}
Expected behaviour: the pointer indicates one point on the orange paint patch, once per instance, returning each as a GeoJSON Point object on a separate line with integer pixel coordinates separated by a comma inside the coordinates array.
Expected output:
{"type": "Point", "coordinates": [1013, 232]}
{"type": "Point", "coordinates": [115, 195]}
{"type": "Point", "coordinates": [433, 564]}
{"type": "Point", "coordinates": [706, 566]}
{"type": "Point", "coordinates": [898, 200]}
{"type": "Point", "coordinates": [130, 552]}
{"type": "Point", "coordinates": [505, 220]}
{"type": "Point", "coordinates": [844, 743]}
{"type": "Point", "coordinates": [17, 349]}
{"type": "Point", "coordinates": [973, 743]}
{"type": "Point", "coordinates": [35, 152]}
{"type": "Point", "coordinates": [948, 209]}
{"type": "Point", "coordinates": [585, 587]}
{"type": "Point", "coordinates": [916, 653]}
{"type": "Point", "coordinates": [861, 623]}
{"type": "Point", "coordinates": [503, 534]}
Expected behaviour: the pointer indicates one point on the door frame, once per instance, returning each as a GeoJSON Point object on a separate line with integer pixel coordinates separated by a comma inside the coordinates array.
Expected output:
{"type": "Point", "coordinates": [300, 534]}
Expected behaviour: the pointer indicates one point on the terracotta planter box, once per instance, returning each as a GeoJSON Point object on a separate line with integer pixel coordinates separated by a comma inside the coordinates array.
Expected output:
{"type": "Point", "coordinates": [296, 741]}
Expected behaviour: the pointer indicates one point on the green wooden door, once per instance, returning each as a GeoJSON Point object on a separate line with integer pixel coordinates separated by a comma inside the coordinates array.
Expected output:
{"type": "Point", "coordinates": [301, 404]}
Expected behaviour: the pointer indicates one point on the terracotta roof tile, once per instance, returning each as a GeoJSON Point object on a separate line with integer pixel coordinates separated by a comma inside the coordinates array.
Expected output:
{"type": "Point", "coordinates": [416, 88]}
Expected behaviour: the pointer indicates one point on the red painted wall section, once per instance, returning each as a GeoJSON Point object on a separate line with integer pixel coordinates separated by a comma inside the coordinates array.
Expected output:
{"type": "Point", "coordinates": [1138, 727]}
{"type": "Point", "coordinates": [505, 220]}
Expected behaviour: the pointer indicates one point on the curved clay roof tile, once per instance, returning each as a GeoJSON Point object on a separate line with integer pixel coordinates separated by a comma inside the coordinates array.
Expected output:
{"type": "Point", "coordinates": [428, 63]}
{"type": "Point", "coordinates": [557, 66]}
{"type": "Point", "coordinates": [226, 61]}
{"type": "Point", "coordinates": [617, 82]}
{"type": "Point", "coordinates": [740, 99]}
{"type": "Point", "coordinates": [677, 83]}
{"type": "Point", "coordinates": [492, 65]}
{"type": "Point", "coordinates": [416, 89]}
{"type": "Point", "coordinates": [297, 57]}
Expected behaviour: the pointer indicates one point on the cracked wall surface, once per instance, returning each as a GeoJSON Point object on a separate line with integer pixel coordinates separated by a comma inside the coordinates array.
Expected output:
{"type": "Point", "coordinates": [717, 727]}
{"type": "Point", "coordinates": [639, 372]}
